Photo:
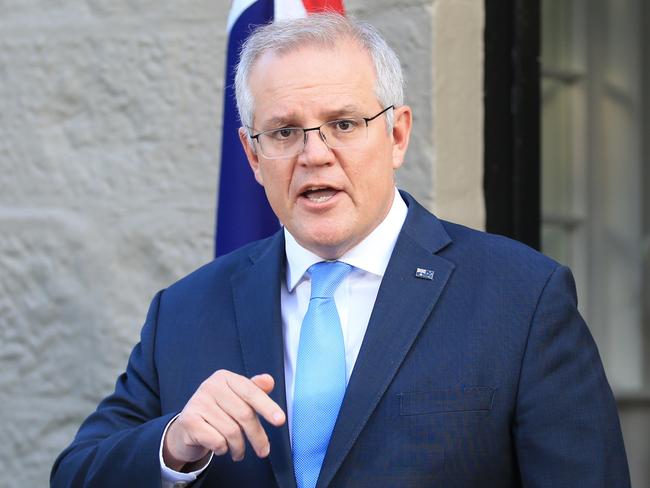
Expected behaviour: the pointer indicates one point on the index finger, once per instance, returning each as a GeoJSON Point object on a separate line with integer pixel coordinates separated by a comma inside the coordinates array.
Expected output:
{"type": "Point", "coordinates": [258, 399]}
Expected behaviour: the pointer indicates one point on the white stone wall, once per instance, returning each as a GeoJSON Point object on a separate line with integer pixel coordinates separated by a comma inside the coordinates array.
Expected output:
{"type": "Point", "coordinates": [109, 144]}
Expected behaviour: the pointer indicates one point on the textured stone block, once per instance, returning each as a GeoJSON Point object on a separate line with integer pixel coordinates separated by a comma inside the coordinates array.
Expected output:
{"type": "Point", "coordinates": [96, 118]}
{"type": "Point", "coordinates": [109, 144]}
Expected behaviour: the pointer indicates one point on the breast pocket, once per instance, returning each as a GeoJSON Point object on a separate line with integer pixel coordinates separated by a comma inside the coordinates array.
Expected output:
{"type": "Point", "coordinates": [463, 399]}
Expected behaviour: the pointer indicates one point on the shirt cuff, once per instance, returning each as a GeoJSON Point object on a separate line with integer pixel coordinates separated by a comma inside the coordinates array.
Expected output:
{"type": "Point", "coordinates": [171, 478]}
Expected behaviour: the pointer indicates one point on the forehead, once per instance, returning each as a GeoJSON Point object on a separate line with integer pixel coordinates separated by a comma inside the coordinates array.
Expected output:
{"type": "Point", "coordinates": [313, 79]}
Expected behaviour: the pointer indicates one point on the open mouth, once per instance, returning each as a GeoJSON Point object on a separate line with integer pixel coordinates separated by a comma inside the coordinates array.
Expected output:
{"type": "Point", "coordinates": [319, 194]}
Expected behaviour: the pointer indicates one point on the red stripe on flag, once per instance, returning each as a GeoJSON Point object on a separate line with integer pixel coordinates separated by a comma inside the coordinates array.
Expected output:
{"type": "Point", "coordinates": [320, 5]}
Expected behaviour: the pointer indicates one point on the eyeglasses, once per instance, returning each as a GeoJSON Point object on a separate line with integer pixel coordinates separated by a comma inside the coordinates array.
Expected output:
{"type": "Point", "coordinates": [290, 141]}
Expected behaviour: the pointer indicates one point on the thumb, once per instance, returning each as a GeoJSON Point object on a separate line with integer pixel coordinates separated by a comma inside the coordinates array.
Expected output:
{"type": "Point", "coordinates": [264, 381]}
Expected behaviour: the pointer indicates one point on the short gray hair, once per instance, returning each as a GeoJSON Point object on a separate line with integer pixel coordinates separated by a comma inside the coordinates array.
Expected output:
{"type": "Point", "coordinates": [325, 30]}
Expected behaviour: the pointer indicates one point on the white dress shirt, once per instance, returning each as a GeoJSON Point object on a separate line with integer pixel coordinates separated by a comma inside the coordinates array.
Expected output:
{"type": "Point", "coordinates": [369, 259]}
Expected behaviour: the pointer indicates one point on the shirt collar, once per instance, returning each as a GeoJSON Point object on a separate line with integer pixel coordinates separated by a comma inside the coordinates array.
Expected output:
{"type": "Point", "coordinates": [371, 254]}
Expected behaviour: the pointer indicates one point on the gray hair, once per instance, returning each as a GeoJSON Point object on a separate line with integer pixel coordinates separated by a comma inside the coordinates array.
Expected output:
{"type": "Point", "coordinates": [324, 30]}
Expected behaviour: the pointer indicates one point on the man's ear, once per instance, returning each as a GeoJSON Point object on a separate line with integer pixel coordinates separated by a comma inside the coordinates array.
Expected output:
{"type": "Point", "coordinates": [251, 154]}
{"type": "Point", "coordinates": [403, 119]}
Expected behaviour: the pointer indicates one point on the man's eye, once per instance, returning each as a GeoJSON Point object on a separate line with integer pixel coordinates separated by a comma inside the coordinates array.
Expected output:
{"type": "Point", "coordinates": [345, 125]}
{"type": "Point", "coordinates": [282, 134]}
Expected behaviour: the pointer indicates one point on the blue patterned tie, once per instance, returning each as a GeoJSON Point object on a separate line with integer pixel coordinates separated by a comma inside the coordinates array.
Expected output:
{"type": "Point", "coordinates": [320, 373]}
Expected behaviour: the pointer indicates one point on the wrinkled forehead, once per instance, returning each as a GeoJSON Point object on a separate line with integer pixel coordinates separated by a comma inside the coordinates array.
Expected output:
{"type": "Point", "coordinates": [311, 76]}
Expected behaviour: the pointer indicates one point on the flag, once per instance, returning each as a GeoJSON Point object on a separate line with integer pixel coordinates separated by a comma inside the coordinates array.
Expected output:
{"type": "Point", "coordinates": [243, 213]}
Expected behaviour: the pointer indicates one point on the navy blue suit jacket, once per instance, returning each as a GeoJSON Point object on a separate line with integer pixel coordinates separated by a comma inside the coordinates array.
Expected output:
{"type": "Point", "coordinates": [484, 376]}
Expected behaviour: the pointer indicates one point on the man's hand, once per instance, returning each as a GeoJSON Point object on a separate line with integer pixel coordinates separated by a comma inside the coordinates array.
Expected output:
{"type": "Point", "coordinates": [221, 412]}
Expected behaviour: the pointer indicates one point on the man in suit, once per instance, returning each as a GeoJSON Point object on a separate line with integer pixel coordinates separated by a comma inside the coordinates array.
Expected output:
{"type": "Point", "coordinates": [435, 355]}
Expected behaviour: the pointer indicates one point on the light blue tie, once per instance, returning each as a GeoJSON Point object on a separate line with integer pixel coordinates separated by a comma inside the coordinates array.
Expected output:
{"type": "Point", "coordinates": [320, 373]}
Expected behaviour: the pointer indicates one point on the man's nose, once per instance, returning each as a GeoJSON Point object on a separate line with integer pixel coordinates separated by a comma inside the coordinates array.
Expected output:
{"type": "Point", "coordinates": [316, 151]}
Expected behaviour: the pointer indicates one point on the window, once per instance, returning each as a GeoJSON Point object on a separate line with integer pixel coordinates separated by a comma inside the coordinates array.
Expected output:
{"type": "Point", "coordinates": [595, 176]}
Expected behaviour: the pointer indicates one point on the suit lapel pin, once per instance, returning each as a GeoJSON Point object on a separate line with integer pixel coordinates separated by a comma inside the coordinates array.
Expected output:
{"type": "Point", "coordinates": [425, 274]}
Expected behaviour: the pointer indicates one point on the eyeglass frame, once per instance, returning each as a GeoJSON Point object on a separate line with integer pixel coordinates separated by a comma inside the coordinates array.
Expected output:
{"type": "Point", "coordinates": [367, 120]}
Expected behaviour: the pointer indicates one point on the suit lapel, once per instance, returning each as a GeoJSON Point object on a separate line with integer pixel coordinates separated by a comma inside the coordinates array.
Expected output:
{"type": "Point", "coordinates": [403, 304]}
{"type": "Point", "coordinates": [256, 294]}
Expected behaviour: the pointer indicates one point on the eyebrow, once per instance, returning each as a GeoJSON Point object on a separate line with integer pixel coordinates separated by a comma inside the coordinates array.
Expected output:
{"type": "Point", "coordinates": [289, 119]}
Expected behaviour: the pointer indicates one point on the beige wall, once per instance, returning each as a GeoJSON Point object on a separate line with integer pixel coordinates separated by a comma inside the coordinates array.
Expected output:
{"type": "Point", "coordinates": [109, 143]}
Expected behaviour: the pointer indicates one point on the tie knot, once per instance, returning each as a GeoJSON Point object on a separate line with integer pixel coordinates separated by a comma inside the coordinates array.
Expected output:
{"type": "Point", "coordinates": [326, 277]}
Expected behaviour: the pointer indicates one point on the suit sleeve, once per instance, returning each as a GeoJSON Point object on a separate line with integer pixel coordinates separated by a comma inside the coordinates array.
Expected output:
{"type": "Point", "coordinates": [566, 428]}
{"type": "Point", "coordinates": [118, 444]}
